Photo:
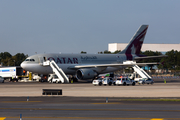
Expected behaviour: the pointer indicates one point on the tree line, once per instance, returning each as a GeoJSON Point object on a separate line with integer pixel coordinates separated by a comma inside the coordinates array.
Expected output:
{"type": "Point", "coordinates": [6, 59]}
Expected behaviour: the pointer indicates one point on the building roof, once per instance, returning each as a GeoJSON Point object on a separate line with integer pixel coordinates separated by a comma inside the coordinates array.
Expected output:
{"type": "Point", "coordinates": [112, 47]}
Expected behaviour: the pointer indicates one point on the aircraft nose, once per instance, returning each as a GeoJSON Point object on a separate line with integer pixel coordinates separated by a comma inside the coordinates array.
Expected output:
{"type": "Point", "coordinates": [23, 65]}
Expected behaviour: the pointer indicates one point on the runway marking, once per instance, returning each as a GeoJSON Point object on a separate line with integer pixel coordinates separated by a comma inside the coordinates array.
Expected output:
{"type": "Point", "coordinates": [97, 118]}
{"type": "Point", "coordinates": [165, 100]}
{"type": "Point", "coordinates": [82, 118]}
{"type": "Point", "coordinates": [108, 103]}
{"type": "Point", "coordinates": [2, 118]}
{"type": "Point", "coordinates": [19, 101]}
{"type": "Point", "coordinates": [131, 110]}
{"type": "Point", "coordinates": [157, 119]}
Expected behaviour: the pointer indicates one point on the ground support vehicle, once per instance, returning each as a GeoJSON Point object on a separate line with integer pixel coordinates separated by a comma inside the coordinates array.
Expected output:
{"type": "Point", "coordinates": [107, 81]}
{"type": "Point", "coordinates": [97, 81]}
{"type": "Point", "coordinates": [1, 79]}
{"type": "Point", "coordinates": [12, 73]}
{"type": "Point", "coordinates": [36, 77]}
{"type": "Point", "coordinates": [53, 78]}
{"type": "Point", "coordinates": [124, 81]}
{"type": "Point", "coordinates": [146, 81]}
{"type": "Point", "coordinates": [103, 81]}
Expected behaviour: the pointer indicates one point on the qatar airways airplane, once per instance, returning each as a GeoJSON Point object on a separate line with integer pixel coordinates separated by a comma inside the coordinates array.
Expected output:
{"type": "Point", "coordinates": [88, 66]}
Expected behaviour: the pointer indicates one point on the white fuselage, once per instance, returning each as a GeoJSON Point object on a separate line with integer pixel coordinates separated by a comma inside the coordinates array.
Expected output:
{"type": "Point", "coordinates": [67, 61]}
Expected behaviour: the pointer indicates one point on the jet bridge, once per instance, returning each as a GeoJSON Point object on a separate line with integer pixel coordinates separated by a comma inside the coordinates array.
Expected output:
{"type": "Point", "coordinates": [138, 70]}
{"type": "Point", "coordinates": [58, 71]}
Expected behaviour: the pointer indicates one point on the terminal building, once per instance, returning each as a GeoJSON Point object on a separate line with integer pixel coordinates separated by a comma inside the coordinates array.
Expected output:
{"type": "Point", "coordinates": [163, 48]}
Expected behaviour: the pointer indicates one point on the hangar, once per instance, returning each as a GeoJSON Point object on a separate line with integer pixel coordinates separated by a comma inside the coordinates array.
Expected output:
{"type": "Point", "coordinates": [112, 47]}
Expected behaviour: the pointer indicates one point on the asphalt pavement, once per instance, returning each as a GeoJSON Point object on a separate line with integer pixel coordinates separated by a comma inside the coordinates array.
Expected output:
{"type": "Point", "coordinates": [160, 101]}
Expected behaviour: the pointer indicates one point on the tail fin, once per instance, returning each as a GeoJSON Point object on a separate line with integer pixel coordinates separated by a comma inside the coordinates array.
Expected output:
{"type": "Point", "coordinates": [135, 44]}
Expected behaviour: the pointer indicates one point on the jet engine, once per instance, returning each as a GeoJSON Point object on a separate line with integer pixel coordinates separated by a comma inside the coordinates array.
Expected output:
{"type": "Point", "coordinates": [84, 74]}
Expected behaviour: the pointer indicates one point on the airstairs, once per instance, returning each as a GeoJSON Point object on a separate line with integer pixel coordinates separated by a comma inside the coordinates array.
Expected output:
{"type": "Point", "coordinates": [58, 71]}
{"type": "Point", "coordinates": [138, 70]}
{"type": "Point", "coordinates": [141, 72]}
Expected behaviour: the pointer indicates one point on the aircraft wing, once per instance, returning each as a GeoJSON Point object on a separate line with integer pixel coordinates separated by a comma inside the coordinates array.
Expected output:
{"type": "Point", "coordinates": [149, 57]}
{"type": "Point", "coordinates": [109, 65]}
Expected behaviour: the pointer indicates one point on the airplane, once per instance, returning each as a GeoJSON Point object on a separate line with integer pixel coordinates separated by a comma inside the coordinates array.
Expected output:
{"type": "Point", "coordinates": [89, 66]}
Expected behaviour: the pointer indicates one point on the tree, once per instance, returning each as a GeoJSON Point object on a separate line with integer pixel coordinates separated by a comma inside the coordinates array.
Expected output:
{"type": "Point", "coordinates": [5, 58]}
{"type": "Point", "coordinates": [8, 60]}
{"type": "Point", "coordinates": [19, 58]}
{"type": "Point", "coordinates": [82, 52]}
{"type": "Point", "coordinates": [151, 53]}
{"type": "Point", "coordinates": [170, 61]}
{"type": "Point", "coordinates": [107, 52]}
{"type": "Point", "coordinates": [117, 51]}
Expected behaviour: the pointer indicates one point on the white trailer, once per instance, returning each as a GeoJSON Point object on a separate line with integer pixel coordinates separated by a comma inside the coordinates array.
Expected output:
{"type": "Point", "coordinates": [11, 72]}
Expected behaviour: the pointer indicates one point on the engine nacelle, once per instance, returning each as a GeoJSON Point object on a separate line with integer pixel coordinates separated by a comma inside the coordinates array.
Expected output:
{"type": "Point", "coordinates": [84, 74]}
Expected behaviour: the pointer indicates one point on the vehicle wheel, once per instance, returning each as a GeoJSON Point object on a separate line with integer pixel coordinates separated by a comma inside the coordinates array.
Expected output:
{"type": "Point", "coordinates": [133, 84]}
{"type": "Point", "coordinates": [110, 83]}
{"type": "Point", "coordinates": [100, 83]}
{"type": "Point", "coordinates": [114, 83]}
{"type": "Point", "coordinates": [124, 84]}
{"type": "Point", "coordinates": [127, 84]}
{"type": "Point", "coordinates": [104, 84]}
{"type": "Point", "coordinates": [148, 83]}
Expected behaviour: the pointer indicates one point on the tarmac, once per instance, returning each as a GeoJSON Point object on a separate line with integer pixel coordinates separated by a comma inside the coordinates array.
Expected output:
{"type": "Point", "coordinates": [159, 89]}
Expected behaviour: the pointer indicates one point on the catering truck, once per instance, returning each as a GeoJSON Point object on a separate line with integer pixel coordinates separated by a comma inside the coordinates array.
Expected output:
{"type": "Point", "coordinates": [11, 73]}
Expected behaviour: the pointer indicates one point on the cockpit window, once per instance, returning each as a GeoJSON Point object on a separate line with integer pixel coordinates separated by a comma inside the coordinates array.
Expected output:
{"type": "Point", "coordinates": [29, 60]}
{"type": "Point", "coordinates": [32, 60]}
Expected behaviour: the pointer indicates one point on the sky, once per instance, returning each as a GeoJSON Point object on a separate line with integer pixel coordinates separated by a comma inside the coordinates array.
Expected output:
{"type": "Point", "coordinates": [72, 26]}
